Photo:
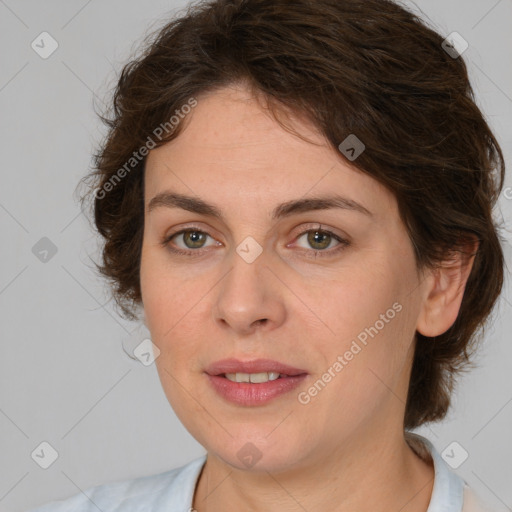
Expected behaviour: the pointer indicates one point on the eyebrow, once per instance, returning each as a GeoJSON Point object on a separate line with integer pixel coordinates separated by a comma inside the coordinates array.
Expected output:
{"type": "Point", "coordinates": [197, 205]}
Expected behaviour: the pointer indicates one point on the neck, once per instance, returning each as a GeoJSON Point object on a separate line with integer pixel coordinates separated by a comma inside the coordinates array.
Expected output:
{"type": "Point", "coordinates": [373, 473]}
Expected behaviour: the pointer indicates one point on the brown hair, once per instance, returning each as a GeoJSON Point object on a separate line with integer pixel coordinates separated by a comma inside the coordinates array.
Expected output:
{"type": "Point", "coordinates": [364, 67]}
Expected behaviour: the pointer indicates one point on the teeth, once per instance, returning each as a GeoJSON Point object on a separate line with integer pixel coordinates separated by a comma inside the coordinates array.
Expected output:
{"type": "Point", "coordinates": [252, 377]}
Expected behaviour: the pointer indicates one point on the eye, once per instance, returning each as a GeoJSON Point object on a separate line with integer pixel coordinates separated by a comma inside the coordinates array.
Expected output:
{"type": "Point", "coordinates": [320, 240]}
{"type": "Point", "coordinates": [193, 238]}
{"type": "Point", "coordinates": [194, 242]}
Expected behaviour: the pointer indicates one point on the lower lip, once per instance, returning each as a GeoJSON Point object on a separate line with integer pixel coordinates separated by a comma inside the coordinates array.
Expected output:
{"type": "Point", "coordinates": [246, 393]}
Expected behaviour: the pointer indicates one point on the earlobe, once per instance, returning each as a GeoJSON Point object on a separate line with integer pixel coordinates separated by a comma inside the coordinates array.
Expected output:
{"type": "Point", "coordinates": [444, 290]}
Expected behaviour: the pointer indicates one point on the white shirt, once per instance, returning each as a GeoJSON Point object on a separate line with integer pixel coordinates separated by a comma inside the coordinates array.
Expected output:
{"type": "Point", "coordinates": [173, 490]}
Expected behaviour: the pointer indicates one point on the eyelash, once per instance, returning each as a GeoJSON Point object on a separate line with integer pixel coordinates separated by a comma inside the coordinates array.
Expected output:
{"type": "Point", "coordinates": [198, 252]}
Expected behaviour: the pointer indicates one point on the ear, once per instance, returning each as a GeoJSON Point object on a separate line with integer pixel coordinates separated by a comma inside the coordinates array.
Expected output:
{"type": "Point", "coordinates": [444, 289]}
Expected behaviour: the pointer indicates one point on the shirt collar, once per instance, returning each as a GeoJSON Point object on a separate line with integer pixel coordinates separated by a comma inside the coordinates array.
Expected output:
{"type": "Point", "coordinates": [447, 493]}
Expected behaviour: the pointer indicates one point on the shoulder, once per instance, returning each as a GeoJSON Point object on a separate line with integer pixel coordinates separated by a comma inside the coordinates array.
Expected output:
{"type": "Point", "coordinates": [154, 492]}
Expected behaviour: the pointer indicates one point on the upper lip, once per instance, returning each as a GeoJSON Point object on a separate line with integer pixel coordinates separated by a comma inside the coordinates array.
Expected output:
{"type": "Point", "coordinates": [255, 366]}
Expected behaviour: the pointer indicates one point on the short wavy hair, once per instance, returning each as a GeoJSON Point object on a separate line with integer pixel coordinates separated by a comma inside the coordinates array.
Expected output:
{"type": "Point", "coordinates": [366, 67]}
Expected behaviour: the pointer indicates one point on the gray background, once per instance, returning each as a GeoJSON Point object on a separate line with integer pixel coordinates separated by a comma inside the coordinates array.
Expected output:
{"type": "Point", "coordinates": [64, 377]}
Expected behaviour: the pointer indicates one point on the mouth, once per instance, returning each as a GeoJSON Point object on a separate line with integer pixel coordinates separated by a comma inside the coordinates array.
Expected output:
{"type": "Point", "coordinates": [253, 383]}
{"type": "Point", "coordinates": [255, 378]}
{"type": "Point", "coordinates": [261, 370]}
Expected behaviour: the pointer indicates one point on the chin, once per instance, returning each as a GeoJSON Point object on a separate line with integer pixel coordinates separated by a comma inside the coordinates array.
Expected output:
{"type": "Point", "coordinates": [258, 454]}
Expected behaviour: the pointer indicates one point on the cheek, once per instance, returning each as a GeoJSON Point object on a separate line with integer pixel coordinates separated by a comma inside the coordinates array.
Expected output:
{"type": "Point", "coordinates": [367, 320]}
{"type": "Point", "coordinates": [175, 312]}
{"type": "Point", "coordinates": [352, 300]}
{"type": "Point", "coordinates": [163, 291]}
{"type": "Point", "coordinates": [358, 368]}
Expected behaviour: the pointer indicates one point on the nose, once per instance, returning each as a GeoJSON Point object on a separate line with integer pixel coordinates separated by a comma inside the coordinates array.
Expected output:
{"type": "Point", "coordinates": [249, 297]}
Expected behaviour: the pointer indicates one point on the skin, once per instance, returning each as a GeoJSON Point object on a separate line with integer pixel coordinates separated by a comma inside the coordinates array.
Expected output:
{"type": "Point", "coordinates": [316, 456]}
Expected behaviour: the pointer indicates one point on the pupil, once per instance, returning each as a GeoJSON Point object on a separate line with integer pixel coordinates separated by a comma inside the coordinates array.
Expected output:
{"type": "Point", "coordinates": [316, 235]}
{"type": "Point", "coordinates": [194, 235]}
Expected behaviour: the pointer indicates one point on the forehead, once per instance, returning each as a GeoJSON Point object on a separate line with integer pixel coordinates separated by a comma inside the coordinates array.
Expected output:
{"type": "Point", "coordinates": [232, 149]}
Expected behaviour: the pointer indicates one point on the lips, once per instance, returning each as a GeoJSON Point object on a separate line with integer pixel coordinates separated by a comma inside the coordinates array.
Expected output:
{"type": "Point", "coordinates": [255, 366]}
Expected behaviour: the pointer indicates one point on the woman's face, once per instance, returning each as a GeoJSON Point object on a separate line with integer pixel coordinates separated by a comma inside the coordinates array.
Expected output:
{"type": "Point", "coordinates": [258, 282]}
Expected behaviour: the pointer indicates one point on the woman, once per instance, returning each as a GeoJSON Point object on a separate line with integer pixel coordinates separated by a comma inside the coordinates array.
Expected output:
{"type": "Point", "coordinates": [297, 198]}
